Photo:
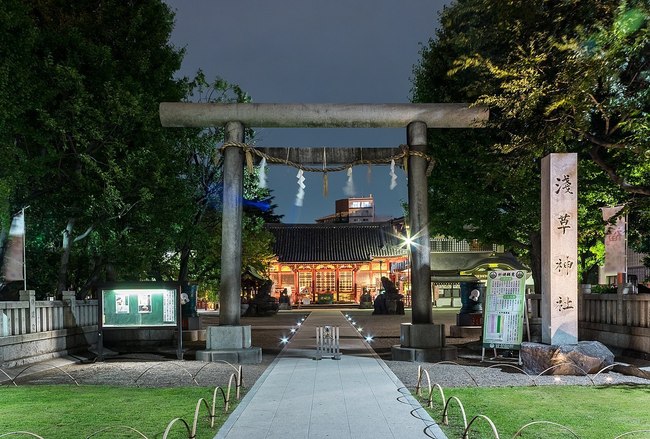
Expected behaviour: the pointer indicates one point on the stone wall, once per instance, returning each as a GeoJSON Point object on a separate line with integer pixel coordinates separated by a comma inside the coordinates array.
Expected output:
{"type": "Point", "coordinates": [22, 349]}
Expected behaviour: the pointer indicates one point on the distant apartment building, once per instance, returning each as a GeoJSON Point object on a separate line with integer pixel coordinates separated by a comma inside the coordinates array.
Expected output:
{"type": "Point", "coordinates": [352, 210]}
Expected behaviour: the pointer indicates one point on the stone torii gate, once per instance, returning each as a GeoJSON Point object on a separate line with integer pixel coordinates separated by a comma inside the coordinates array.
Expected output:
{"type": "Point", "coordinates": [421, 340]}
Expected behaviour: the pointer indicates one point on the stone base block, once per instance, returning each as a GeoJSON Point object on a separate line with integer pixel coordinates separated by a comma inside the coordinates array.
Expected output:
{"type": "Point", "coordinates": [194, 335]}
{"type": "Point", "coordinates": [251, 355]}
{"type": "Point", "coordinates": [575, 359]}
{"type": "Point", "coordinates": [191, 323]}
{"type": "Point", "coordinates": [430, 355]}
{"type": "Point", "coordinates": [465, 331]}
{"type": "Point", "coordinates": [422, 336]}
{"type": "Point", "coordinates": [227, 337]}
{"type": "Point", "coordinates": [469, 319]}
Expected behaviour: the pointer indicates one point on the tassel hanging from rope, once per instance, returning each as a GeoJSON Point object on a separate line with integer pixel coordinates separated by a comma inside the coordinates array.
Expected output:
{"type": "Point", "coordinates": [325, 182]}
{"type": "Point", "coordinates": [249, 160]}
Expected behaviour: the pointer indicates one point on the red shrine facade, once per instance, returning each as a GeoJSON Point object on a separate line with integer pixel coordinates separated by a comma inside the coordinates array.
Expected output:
{"type": "Point", "coordinates": [334, 262]}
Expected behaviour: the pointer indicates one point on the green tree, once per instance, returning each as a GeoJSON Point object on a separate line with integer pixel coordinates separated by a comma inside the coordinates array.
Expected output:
{"type": "Point", "coordinates": [81, 138]}
{"type": "Point", "coordinates": [534, 64]}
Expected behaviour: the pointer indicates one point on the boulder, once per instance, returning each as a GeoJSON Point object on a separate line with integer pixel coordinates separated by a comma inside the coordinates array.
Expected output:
{"type": "Point", "coordinates": [585, 357]}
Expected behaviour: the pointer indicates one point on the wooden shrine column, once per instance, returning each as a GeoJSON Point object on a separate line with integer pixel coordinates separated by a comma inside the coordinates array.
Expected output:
{"type": "Point", "coordinates": [355, 268]}
{"type": "Point", "coordinates": [337, 283]}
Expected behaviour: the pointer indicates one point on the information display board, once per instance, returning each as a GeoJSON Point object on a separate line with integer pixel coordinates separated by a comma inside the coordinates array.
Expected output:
{"type": "Point", "coordinates": [146, 304]}
{"type": "Point", "coordinates": [503, 316]}
{"type": "Point", "coordinates": [135, 305]}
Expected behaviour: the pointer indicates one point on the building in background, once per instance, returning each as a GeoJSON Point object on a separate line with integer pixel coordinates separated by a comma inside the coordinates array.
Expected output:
{"type": "Point", "coordinates": [352, 210]}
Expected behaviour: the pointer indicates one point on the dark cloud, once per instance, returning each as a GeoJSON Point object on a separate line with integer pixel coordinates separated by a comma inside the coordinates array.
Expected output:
{"type": "Point", "coordinates": [338, 51]}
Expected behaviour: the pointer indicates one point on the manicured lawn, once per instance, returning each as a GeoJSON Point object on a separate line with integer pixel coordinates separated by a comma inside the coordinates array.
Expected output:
{"type": "Point", "coordinates": [77, 412]}
{"type": "Point", "coordinates": [590, 412]}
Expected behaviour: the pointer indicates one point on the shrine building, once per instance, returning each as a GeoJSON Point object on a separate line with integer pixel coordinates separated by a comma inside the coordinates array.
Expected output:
{"type": "Point", "coordinates": [333, 262]}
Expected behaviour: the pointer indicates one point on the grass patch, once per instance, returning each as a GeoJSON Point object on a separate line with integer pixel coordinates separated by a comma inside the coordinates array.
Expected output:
{"type": "Point", "coordinates": [592, 412]}
{"type": "Point", "coordinates": [78, 411]}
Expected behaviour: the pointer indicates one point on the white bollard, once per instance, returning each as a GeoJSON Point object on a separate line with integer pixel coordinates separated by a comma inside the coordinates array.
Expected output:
{"type": "Point", "coordinates": [327, 342]}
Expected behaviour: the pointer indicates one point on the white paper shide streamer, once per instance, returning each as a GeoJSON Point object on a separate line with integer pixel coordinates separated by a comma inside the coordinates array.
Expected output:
{"type": "Point", "coordinates": [300, 196]}
{"type": "Point", "coordinates": [349, 185]}
{"type": "Point", "coordinates": [393, 176]}
{"type": "Point", "coordinates": [261, 181]}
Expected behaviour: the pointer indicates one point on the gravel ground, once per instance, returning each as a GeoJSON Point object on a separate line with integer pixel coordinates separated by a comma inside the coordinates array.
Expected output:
{"type": "Point", "coordinates": [469, 370]}
{"type": "Point", "coordinates": [163, 369]}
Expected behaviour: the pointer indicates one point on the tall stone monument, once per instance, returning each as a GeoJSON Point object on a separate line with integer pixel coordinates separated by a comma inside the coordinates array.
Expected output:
{"type": "Point", "coordinates": [560, 249]}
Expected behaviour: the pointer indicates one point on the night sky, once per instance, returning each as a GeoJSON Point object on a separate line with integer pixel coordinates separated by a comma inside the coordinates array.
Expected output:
{"type": "Point", "coordinates": [303, 51]}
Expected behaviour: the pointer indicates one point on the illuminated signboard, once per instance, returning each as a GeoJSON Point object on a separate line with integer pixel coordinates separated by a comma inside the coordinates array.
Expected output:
{"type": "Point", "coordinates": [138, 305]}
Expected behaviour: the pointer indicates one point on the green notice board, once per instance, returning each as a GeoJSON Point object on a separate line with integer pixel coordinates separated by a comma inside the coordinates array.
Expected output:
{"type": "Point", "coordinates": [503, 316]}
{"type": "Point", "coordinates": [141, 306]}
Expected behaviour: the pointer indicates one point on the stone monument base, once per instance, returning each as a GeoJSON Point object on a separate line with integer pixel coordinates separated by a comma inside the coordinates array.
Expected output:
{"type": "Point", "coordinates": [423, 342]}
{"type": "Point", "coordinates": [231, 344]}
{"type": "Point", "coordinates": [576, 359]}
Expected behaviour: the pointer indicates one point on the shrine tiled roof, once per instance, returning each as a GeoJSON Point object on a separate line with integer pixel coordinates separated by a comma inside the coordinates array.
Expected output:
{"type": "Point", "coordinates": [334, 242]}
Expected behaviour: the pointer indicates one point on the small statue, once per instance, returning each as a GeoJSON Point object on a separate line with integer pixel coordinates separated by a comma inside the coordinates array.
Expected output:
{"type": "Point", "coordinates": [391, 301]}
{"type": "Point", "coordinates": [263, 304]}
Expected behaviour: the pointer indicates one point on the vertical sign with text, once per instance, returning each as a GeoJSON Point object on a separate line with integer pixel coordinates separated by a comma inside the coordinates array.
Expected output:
{"type": "Point", "coordinates": [503, 317]}
{"type": "Point", "coordinates": [560, 249]}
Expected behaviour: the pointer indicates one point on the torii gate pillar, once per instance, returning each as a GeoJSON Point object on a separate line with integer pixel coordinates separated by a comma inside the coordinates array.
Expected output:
{"type": "Point", "coordinates": [420, 340]}
{"type": "Point", "coordinates": [416, 135]}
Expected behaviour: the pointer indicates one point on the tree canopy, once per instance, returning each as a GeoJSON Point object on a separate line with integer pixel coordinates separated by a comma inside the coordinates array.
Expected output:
{"type": "Point", "coordinates": [112, 195]}
{"type": "Point", "coordinates": [558, 76]}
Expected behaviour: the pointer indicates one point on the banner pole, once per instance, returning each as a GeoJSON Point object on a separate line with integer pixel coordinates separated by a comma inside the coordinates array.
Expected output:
{"type": "Point", "coordinates": [24, 250]}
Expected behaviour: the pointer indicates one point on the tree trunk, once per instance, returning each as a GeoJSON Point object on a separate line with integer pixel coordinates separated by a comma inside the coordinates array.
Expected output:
{"type": "Point", "coordinates": [536, 259]}
{"type": "Point", "coordinates": [65, 257]}
{"type": "Point", "coordinates": [89, 286]}
{"type": "Point", "coordinates": [184, 266]}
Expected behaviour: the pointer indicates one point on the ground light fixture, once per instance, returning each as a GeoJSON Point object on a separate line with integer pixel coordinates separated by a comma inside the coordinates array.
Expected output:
{"type": "Point", "coordinates": [284, 340]}
{"type": "Point", "coordinates": [368, 338]}
{"type": "Point", "coordinates": [293, 330]}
